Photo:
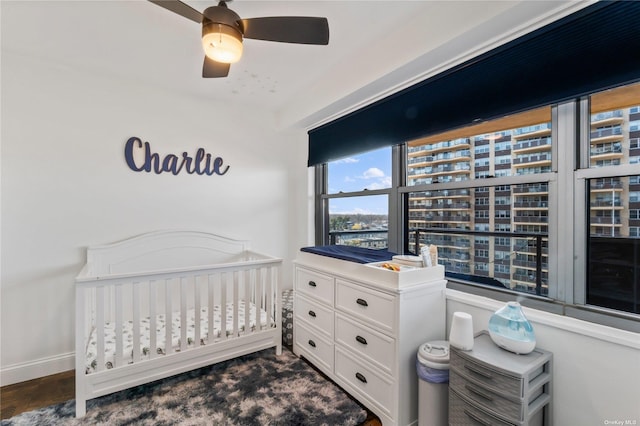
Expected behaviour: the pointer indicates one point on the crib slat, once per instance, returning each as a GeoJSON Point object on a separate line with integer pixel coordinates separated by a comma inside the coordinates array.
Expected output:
{"type": "Point", "coordinates": [119, 334]}
{"type": "Point", "coordinates": [223, 307]}
{"type": "Point", "coordinates": [277, 317]}
{"type": "Point", "coordinates": [153, 327]}
{"type": "Point", "coordinates": [210, 307]}
{"type": "Point", "coordinates": [100, 328]}
{"type": "Point", "coordinates": [168, 346]}
{"type": "Point", "coordinates": [258, 298]}
{"type": "Point", "coordinates": [236, 285]}
{"type": "Point", "coordinates": [269, 290]}
{"type": "Point", "coordinates": [196, 306]}
{"type": "Point", "coordinates": [183, 313]}
{"type": "Point", "coordinates": [136, 322]}
{"type": "Point", "coordinates": [247, 302]}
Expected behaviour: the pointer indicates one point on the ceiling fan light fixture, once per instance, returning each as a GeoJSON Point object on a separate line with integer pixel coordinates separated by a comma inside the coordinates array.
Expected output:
{"type": "Point", "coordinates": [222, 43]}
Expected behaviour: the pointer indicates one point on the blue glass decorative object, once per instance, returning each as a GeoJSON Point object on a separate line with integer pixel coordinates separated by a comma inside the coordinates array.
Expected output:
{"type": "Point", "coordinates": [510, 329]}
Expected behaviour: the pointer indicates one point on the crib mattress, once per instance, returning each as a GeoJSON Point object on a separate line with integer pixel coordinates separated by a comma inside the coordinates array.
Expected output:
{"type": "Point", "coordinates": [145, 326]}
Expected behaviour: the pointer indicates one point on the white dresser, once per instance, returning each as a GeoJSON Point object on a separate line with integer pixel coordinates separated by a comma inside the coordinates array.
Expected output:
{"type": "Point", "coordinates": [362, 325]}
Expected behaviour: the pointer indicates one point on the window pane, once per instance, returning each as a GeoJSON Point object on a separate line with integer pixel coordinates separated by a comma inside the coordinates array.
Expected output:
{"type": "Point", "coordinates": [359, 221]}
{"type": "Point", "coordinates": [613, 233]}
{"type": "Point", "coordinates": [371, 170]}
{"type": "Point", "coordinates": [504, 236]}
{"type": "Point", "coordinates": [614, 243]}
{"type": "Point", "coordinates": [615, 127]}
{"type": "Point", "coordinates": [516, 145]}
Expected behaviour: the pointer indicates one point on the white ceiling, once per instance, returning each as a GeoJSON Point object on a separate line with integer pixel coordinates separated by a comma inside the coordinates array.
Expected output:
{"type": "Point", "coordinates": [375, 47]}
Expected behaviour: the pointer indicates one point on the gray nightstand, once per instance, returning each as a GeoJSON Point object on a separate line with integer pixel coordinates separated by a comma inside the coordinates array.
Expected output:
{"type": "Point", "coordinates": [489, 385]}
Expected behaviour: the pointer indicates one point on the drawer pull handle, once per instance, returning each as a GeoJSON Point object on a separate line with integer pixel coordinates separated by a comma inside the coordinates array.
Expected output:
{"type": "Point", "coordinates": [312, 343]}
{"type": "Point", "coordinates": [312, 283]}
{"type": "Point", "coordinates": [476, 418]}
{"type": "Point", "coordinates": [478, 371]}
{"type": "Point", "coordinates": [478, 392]}
{"type": "Point", "coordinates": [361, 378]}
{"type": "Point", "coordinates": [312, 314]}
{"type": "Point", "coordinates": [361, 340]}
{"type": "Point", "coordinates": [362, 302]}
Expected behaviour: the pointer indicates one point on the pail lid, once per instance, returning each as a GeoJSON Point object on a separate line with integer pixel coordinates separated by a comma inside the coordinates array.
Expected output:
{"type": "Point", "coordinates": [434, 354]}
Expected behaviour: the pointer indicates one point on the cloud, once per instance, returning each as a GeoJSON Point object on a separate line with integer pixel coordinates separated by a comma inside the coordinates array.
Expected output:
{"type": "Point", "coordinates": [372, 173]}
{"type": "Point", "coordinates": [383, 183]}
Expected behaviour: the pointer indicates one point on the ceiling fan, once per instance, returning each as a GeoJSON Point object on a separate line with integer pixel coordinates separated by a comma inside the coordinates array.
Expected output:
{"type": "Point", "coordinates": [223, 31]}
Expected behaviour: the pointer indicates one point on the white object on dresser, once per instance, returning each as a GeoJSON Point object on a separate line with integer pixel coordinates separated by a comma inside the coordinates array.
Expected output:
{"type": "Point", "coordinates": [461, 332]}
{"type": "Point", "coordinates": [362, 326]}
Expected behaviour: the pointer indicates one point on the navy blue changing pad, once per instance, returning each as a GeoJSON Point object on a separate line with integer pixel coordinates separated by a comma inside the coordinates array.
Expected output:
{"type": "Point", "coordinates": [350, 253]}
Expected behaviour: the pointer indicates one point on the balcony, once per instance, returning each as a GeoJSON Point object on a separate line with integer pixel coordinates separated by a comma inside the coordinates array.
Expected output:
{"type": "Point", "coordinates": [608, 118]}
{"type": "Point", "coordinates": [606, 135]}
{"type": "Point", "coordinates": [605, 185]}
{"type": "Point", "coordinates": [609, 151]}
{"type": "Point", "coordinates": [531, 219]}
{"type": "Point", "coordinates": [599, 220]}
{"type": "Point", "coordinates": [453, 206]}
{"type": "Point", "coordinates": [530, 189]}
{"type": "Point", "coordinates": [532, 160]}
{"type": "Point", "coordinates": [532, 131]}
{"type": "Point", "coordinates": [529, 264]}
{"type": "Point", "coordinates": [456, 144]}
{"type": "Point", "coordinates": [530, 205]}
{"type": "Point", "coordinates": [606, 204]}
{"type": "Point", "coordinates": [453, 218]}
{"type": "Point", "coordinates": [532, 146]}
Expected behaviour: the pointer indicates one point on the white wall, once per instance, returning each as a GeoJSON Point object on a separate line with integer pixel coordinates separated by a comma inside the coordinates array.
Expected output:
{"type": "Point", "coordinates": [596, 369]}
{"type": "Point", "coordinates": [65, 185]}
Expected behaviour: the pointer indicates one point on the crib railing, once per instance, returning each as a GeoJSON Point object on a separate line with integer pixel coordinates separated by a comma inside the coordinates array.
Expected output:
{"type": "Point", "coordinates": [118, 299]}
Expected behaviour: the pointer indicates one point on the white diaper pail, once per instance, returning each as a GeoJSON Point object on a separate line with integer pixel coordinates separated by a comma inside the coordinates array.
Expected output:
{"type": "Point", "coordinates": [432, 365]}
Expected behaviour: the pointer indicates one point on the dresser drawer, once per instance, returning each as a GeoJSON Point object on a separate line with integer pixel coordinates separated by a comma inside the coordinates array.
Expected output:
{"type": "Point", "coordinates": [373, 307]}
{"type": "Point", "coordinates": [465, 413]}
{"type": "Point", "coordinates": [314, 346]}
{"type": "Point", "coordinates": [315, 314]}
{"type": "Point", "coordinates": [486, 376]}
{"type": "Point", "coordinates": [317, 286]}
{"type": "Point", "coordinates": [510, 408]}
{"type": "Point", "coordinates": [376, 347]}
{"type": "Point", "coordinates": [366, 379]}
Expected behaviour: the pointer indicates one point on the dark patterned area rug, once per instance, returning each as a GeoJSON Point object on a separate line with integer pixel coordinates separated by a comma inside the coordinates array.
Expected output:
{"type": "Point", "coordinates": [256, 389]}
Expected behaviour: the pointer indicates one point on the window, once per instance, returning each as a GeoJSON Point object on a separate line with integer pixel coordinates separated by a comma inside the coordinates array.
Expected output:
{"type": "Point", "coordinates": [506, 200]}
{"type": "Point", "coordinates": [356, 200]}
{"type": "Point", "coordinates": [515, 208]}
{"type": "Point", "coordinates": [612, 217]}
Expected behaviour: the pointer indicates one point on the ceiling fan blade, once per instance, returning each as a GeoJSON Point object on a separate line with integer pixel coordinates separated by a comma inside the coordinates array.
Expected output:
{"type": "Point", "coordinates": [213, 69]}
{"type": "Point", "coordinates": [288, 29]}
{"type": "Point", "coordinates": [180, 8]}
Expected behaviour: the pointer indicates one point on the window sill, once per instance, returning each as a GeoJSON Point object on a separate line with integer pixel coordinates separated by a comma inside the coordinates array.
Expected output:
{"type": "Point", "coordinates": [626, 332]}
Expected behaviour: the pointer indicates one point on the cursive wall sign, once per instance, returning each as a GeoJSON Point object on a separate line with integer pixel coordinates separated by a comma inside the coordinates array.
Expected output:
{"type": "Point", "coordinates": [140, 158]}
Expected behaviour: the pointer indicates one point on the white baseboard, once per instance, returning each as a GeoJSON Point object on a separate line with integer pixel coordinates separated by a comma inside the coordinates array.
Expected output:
{"type": "Point", "coordinates": [17, 373]}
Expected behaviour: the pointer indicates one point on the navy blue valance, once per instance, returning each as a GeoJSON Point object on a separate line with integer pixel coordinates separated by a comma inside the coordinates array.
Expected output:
{"type": "Point", "coordinates": [593, 49]}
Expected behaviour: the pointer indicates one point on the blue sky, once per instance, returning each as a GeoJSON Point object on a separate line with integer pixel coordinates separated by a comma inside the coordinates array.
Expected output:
{"type": "Point", "coordinates": [371, 170]}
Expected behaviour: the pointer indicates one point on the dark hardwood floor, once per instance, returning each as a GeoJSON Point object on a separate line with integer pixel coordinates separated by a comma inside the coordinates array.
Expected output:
{"type": "Point", "coordinates": [38, 393]}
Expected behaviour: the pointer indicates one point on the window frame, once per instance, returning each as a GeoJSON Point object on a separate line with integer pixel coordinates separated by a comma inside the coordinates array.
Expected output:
{"type": "Point", "coordinates": [322, 198]}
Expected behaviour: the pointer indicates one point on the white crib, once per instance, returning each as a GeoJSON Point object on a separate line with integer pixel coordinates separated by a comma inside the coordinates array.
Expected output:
{"type": "Point", "coordinates": [196, 297]}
